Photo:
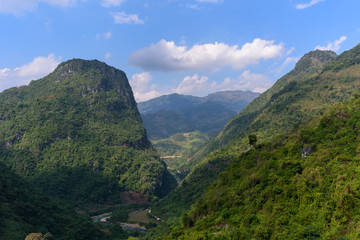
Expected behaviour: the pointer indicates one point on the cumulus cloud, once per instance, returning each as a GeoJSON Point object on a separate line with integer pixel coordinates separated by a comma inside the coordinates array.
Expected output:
{"type": "Point", "coordinates": [124, 18]}
{"type": "Point", "coordinates": [142, 89]}
{"type": "Point", "coordinates": [166, 56]}
{"type": "Point", "coordinates": [194, 85]}
{"type": "Point", "coordinates": [201, 85]}
{"type": "Point", "coordinates": [309, 4]}
{"type": "Point", "coordinates": [18, 7]}
{"type": "Point", "coordinates": [109, 3]}
{"type": "Point", "coordinates": [38, 68]}
{"type": "Point", "coordinates": [248, 81]}
{"type": "Point", "coordinates": [333, 46]}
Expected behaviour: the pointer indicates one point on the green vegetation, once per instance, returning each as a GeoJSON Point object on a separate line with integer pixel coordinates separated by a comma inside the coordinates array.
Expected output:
{"type": "Point", "coordinates": [139, 217]}
{"type": "Point", "coordinates": [78, 135]}
{"type": "Point", "coordinates": [25, 210]}
{"type": "Point", "coordinates": [177, 150]}
{"type": "Point", "coordinates": [252, 139]}
{"type": "Point", "coordinates": [120, 215]}
{"type": "Point", "coordinates": [301, 186]}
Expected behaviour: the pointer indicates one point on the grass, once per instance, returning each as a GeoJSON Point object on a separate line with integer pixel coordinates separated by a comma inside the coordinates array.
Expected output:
{"type": "Point", "coordinates": [139, 216]}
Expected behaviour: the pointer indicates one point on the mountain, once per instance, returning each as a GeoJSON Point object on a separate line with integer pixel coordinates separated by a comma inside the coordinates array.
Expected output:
{"type": "Point", "coordinates": [78, 135]}
{"type": "Point", "coordinates": [302, 185]}
{"type": "Point", "coordinates": [170, 114]}
{"type": "Point", "coordinates": [25, 210]}
{"type": "Point", "coordinates": [234, 100]}
{"type": "Point", "coordinates": [319, 80]}
{"type": "Point", "coordinates": [306, 68]}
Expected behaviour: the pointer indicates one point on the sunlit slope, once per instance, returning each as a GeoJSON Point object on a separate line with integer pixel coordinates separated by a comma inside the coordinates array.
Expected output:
{"type": "Point", "coordinates": [302, 185]}
{"type": "Point", "coordinates": [293, 100]}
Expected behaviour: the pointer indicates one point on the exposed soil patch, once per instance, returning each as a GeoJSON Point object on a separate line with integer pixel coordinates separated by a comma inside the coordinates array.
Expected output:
{"type": "Point", "coordinates": [131, 197]}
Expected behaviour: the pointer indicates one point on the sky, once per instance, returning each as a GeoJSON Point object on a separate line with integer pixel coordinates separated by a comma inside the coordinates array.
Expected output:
{"type": "Point", "coordinates": [193, 47]}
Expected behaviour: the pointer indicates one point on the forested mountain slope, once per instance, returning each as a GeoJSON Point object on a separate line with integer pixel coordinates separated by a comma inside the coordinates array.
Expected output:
{"type": "Point", "coordinates": [316, 82]}
{"type": "Point", "coordinates": [302, 185]}
{"type": "Point", "coordinates": [25, 210]}
{"type": "Point", "coordinates": [309, 65]}
{"type": "Point", "coordinates": [77, 133]}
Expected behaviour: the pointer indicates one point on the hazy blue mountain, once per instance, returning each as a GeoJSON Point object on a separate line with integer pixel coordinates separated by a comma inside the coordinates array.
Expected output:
{"type": "Point", "coordinates": [170, 114]}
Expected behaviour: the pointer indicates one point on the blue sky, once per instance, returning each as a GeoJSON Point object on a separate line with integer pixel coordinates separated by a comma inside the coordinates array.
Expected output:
{"type": "Point", "coordinates": [186, 46]}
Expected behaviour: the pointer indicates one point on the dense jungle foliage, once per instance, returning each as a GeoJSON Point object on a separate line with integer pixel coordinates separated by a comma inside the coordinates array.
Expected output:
{"type": "Point", "coordinates": [25, 210]}
{"type": "Point", "coordinates": [77, 133]}
{"type": "Point", "coordinates": [304, 185]}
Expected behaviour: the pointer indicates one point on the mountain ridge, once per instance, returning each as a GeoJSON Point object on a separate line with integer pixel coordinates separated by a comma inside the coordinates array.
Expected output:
{"type": "Point", "coordinates": [175, 113]}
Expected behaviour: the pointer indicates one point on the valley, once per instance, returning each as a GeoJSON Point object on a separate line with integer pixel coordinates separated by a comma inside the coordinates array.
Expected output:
{"type": "Point", "coordinates": [178, 125]}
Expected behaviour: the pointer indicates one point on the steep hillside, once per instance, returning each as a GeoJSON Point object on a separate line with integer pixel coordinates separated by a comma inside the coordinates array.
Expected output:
{"type": "Point", "coordinates": [303, 185]}
{"type": "Point", "coordinates": [308, 66]}
{"type": "Point", "coordinates": [170, 114]}
{"type": "Point", "coordinates": [77, 133]}
{"type": "Point", "coordinates": [25, 210]}
{"type": "Point", "coordinates": [294, 99]}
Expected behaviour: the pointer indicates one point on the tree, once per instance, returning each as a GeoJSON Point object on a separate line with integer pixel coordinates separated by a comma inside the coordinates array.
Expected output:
{"type": "Point", "coordinates": [252, 140]}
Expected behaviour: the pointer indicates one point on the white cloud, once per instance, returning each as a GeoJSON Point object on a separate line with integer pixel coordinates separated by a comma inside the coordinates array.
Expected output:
{"type": "Point", "coordinates": [193, 85]}
{"type": "Point", "coordinates": [38, 68]}
{"type": "Point", "coordinates": [248, 81]}
{"type": "Point", "coordinates": [18, 7]}
{"type": "Point", "coordinates": [333, 46]}
{"type": "Point", "coordinates": [108, 55]}
{"type": "Point", "coordinates": [166, 56]}
{"type": "Point", "coordinates": [306, 5]}
{"type": "Point", "coordinates": [124, 18]}
{"type": "Point", "coordinates": [109, 3]}
{"type": "Point", "coordinates": [200, 85]}
{"type": "Point", "coordinates": [140, 84]}
{"type": "Point", "coordinates": [106, 35]}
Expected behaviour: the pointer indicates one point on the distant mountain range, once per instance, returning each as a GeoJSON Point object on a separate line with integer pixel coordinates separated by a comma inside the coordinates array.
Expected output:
{"type": "Point", "coordinates": [175, 113]}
